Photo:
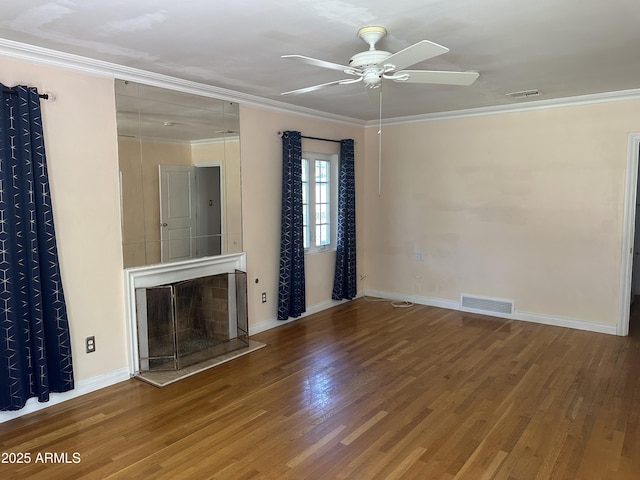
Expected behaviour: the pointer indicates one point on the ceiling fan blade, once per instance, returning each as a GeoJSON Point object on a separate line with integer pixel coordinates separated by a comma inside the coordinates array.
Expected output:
{"type": "Point", "coordinates": [322, 85]}
{"type": "Point", "coordinates": [418, 52]}
{"type": "Point", "coordinates": [436, 76]}
{"type": "Point", "coordinates": [319, 63]}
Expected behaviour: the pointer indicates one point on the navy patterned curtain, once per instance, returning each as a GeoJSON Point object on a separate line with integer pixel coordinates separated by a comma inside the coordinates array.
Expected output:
{"type": "Point", "coordinates": [291, 294]}
{"type": "Point", "coordinates": [344, 282]}
{"type": "Point", "coordinates": [35, 350]}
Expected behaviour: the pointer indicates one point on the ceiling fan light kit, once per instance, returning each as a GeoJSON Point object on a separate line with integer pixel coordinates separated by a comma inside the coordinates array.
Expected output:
{"type": "Point", "coordinates": [373, 66]}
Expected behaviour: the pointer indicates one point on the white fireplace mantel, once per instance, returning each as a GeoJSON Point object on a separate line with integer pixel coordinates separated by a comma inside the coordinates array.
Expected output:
{"type": "Point", "coordinates": [164, 273]}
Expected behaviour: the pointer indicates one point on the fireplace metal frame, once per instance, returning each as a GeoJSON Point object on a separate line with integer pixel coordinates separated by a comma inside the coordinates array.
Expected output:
{"type": "Point", "coordinates": [161, 274]}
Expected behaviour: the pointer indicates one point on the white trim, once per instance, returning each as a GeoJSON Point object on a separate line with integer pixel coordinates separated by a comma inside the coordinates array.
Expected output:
{"type": "Point", "coordinates": [628, 232]}
{"type": "Point", "coordinates": [273, 322]}
{"type": "Point", "coordinates": [204, 141]}
{"type": "Point", "coordinates": [432, 302]}
{"type": "Point", "coordinates": [556, 321]}
{"type": "Point", "coordinates": [22, 51]}
{"type": "Point", "coordinates": [116, 376]}
{"type": "Point", "coordinates": [81, 388]}
{"type": "Point", "coordinates": [211, 141]}
{"type": "Point", "coordinates": [334, 176]}
{"type": "Point", "coordinates": [164, 273]}
{"type": "Point", "coordinates": [529, 106]}
{"type": "Point", "coordinates": [209, 163]}
{"type": "Point", "coordinates": [544, 319]}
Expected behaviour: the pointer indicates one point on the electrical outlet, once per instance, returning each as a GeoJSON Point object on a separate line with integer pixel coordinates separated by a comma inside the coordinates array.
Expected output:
{"type": "Point", "coordinates": [264, 297]}
{"type": "Point", "coordinates": [91, 344]}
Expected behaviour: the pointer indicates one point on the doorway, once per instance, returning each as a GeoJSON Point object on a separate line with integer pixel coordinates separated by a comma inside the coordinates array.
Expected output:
{"type": "Point", "coordinates": [209, 210]}
{"type": "Point", "coordinates": [190, 211]}
{"type": "Point", "coordinates": [630, 269]}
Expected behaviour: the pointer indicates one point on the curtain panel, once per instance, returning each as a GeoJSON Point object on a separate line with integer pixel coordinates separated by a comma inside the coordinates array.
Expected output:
{"type": "Point", "coordinates": [344, 282]}
{"type": "Point", "coordinates": [34, 330]}
{"type": "Point", "coordinates": [291, 287]}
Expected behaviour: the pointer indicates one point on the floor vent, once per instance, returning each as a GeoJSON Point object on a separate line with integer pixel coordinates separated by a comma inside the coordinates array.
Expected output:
{"type": "Point", "coordinates": [483, 304]}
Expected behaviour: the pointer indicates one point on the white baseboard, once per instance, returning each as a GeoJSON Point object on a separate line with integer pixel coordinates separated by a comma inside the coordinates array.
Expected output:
{"type": "Point", "coordinates": [420, 300]}
{"type": "Point", "coordinates": [81, 388]}
{"type": "Point", "coordinates": [523, 316]}
{"type": "Point", "coordinates": [565, 322]}
{"type": "Point", "coordinates": [110, 378]}
{"type": "Point", "coordinates": [274, 322]}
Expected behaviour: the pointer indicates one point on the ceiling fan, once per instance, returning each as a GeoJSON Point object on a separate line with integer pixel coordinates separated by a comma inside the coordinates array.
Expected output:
{"type": "Point", "coordinates": [373, 66]}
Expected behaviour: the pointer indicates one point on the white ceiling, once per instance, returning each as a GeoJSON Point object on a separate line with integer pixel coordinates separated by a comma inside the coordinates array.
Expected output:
{"type": "Point", "coordinates": [564, 48]}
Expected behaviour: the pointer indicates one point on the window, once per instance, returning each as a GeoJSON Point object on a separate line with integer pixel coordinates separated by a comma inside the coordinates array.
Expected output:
{"type": "Point", "coordinates": [319, 201]}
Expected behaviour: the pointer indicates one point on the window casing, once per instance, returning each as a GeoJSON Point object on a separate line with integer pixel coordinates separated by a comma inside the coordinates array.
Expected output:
{"type": "Point", "coordinates": [319, 201]}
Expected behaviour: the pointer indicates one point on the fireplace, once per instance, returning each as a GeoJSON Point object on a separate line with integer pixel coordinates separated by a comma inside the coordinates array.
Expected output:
{"type": "Point", "coordinates": [181, 312]}
{"type": "Point", "coordinates": [191, 321]}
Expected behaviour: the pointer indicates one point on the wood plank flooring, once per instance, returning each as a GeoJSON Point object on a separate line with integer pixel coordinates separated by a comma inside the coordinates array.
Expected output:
{"type": "Point", "coordinates": [364, 391]}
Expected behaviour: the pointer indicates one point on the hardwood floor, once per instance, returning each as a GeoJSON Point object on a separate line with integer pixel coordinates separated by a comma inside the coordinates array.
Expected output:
{"type": "Point", "coordinates": [364, 391]}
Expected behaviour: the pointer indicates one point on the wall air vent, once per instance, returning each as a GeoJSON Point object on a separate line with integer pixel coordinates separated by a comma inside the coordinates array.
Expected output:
{"type": "Point", "coordinates": [472, 303]}
{"type": "Point", "coordinates": [524, 94]}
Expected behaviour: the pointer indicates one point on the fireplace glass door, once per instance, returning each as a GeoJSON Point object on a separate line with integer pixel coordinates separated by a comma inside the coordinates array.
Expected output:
{"type": "Point", "coordinates": [191, 321]}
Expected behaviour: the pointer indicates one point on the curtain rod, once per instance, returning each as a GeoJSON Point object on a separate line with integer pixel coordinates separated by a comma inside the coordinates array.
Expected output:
{"type": "Point", "coordinates": [44, 96]}
{"type": "Point", "coordinates": [280, 134]}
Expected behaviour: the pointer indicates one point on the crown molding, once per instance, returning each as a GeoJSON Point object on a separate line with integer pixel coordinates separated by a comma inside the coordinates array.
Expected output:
{"type": "Point", "coordinates": [32, 53]}
{"type": "Point", "coordinates": [204, 141]}
{"type": "Point", "coordinates": [23, 51]}
{"type": "Point", "coordinates": [529, 106]}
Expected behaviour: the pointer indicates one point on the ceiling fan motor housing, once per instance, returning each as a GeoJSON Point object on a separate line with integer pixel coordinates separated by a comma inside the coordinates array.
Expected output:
{"type": "Point", "coordinates": [368, 62]}
{"type": "Point", "coordinates": [369, 58]}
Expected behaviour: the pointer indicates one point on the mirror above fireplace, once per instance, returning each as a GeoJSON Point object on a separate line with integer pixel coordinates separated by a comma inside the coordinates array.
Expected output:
{"type": "Point", "coordinates": [179, 157]}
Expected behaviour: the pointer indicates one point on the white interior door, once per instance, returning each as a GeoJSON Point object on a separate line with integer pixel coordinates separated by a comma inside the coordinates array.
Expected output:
{"type": "Point", "coordinates": [177, 212]}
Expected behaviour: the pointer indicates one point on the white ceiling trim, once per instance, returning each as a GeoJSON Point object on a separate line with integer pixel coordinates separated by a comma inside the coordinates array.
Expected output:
{"type": "Point", "coordinates": [606, 97]}
{"type": "Point", "coordinates": [204, 141]}
{"type": "Point", "coordinates": [22, 51]}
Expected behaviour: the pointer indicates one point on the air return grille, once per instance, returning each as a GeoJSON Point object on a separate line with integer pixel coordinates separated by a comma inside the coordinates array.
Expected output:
{"type": "Point", "coordinates": [484, 304]}
{"type": "Point", "coordinates": [524, 94]}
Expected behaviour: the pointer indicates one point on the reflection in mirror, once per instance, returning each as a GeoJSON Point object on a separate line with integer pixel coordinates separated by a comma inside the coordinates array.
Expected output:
{"type": "Point", "coordinates": [179, 158]}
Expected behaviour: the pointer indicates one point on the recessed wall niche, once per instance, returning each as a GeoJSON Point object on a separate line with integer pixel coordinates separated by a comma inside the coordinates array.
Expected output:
{"type": "Point", "coordinates": [179, 157]}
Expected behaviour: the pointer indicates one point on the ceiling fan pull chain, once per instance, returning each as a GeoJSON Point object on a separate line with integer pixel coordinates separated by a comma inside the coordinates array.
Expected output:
{"type": "Point", "coordinates": [380, 146]}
